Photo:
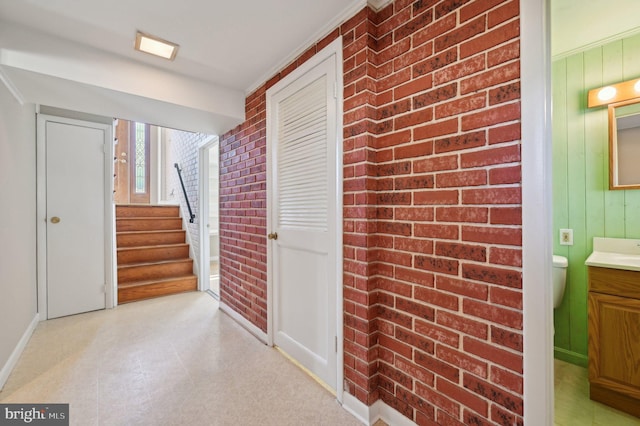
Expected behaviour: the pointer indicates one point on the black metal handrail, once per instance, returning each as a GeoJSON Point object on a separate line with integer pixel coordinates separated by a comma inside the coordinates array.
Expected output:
{"type": "Point", "coordinates": [184, 191]}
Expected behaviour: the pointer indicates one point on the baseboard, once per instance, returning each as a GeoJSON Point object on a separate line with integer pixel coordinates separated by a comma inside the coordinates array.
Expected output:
{"type": "Point", "coordinates": [390, 416]}
{"type": "Point", "coordinates": [378, 411]}
{"type": "Point", "coordinates": [260, 335]}
{"type": "Point", "coordinates": [357, 408]}
{"type": "Point", "coordinates": [570, 357]}
{"type": "Point", "coordinates": [17, 351]}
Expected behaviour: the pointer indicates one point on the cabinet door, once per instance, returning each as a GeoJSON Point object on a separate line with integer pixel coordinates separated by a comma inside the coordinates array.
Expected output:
{"type": "Point", "coordinates": [614, 343]}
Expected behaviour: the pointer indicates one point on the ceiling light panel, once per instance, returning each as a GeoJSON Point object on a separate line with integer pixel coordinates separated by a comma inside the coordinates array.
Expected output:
{"type": "Point", "coordinates": [156, 46]}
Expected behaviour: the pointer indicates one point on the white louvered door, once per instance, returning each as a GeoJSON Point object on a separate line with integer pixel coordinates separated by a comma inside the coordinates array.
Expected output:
{"type": "Point", "coordinates": [302, 130]}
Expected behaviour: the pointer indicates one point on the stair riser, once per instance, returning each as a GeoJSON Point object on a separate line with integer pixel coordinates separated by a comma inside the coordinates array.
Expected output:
{"type": "Point", "coordinates": [150, 239]}
{"type": "Point", "coordinates": [154, 254]}
{"type": "Point", "coordinates": [155, 290]}
{"type": "Point", "coordinates": [147, 211]}
{"type": "Point", "coordinates": [152, 272]}
{"type": "Point", "coordinates": [124, 225]}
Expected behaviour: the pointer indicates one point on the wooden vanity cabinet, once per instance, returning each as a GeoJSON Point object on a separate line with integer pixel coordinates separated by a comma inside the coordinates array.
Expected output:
{"type": "Point", "coordinates": [614, 338]}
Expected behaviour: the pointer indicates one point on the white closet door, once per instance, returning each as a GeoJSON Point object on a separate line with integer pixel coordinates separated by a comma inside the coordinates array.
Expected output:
{"type": "Point", "coordinates": [75, 218]}
{"type": "Point", "coordinates": [302, 131]}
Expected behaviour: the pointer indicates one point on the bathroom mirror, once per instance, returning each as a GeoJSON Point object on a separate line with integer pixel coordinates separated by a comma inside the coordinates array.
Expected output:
{"type": "Point", "coordinates": [624, 145]}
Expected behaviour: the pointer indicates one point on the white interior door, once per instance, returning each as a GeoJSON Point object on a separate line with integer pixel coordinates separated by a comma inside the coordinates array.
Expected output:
{"type": "Point", "coordinates": [302, 150]}
{"type": "Point", "coordinates": [75, 210]}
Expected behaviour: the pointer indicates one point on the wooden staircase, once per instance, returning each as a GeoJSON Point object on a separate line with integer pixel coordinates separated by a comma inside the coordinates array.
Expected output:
{"type": "Point", "coordinates": [153, 257]}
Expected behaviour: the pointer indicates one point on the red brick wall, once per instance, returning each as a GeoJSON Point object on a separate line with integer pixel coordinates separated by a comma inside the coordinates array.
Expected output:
{"type": "Point", "coordinates": [243, 215]}
{"type": "Point", "coordinates": [432, 235]}
{"type": "Point", "coordinates": [243, 203]}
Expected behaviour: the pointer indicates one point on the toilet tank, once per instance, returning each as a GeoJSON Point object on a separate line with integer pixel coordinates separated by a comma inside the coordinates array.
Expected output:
{"type": "Point", "coordinates": [560, 264]}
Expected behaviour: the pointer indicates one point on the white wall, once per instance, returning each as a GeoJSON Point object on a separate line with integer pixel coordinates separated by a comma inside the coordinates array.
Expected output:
{"type": "Point", "coordinates": [18, 303]}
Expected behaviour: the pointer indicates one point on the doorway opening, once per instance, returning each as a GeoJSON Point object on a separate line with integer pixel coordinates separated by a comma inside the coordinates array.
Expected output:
{"type": "Point", "coordinates": [209, 176]}
{"type": "Point", "coordinates": [156, 193]}
{"type": "Point", "coordinates": [581, 58]}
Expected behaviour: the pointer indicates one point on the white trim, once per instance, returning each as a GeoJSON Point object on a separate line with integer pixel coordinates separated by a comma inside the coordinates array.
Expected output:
{"type": "Point", "coordinates": [41, 209]}
{"type": "Point", "coordinates": [270, 262]}
{"type": "Point", "coordinates": [334, 48]}
{"type": "Point", "coordinates": [112, 301]}
{"type": "Point", "coordinates": [111, 267]}
{"type": "Point", "coordinates": [17, 351]}
{"type": "Point", "coordinates": [347, 13]}
{"type": "Point", "coordinates": [356, 408]}
{"type": "Point", "coordinates": [11, 87]}
{"type": "Point", "coordinates": [162, 168]}
{"type": "Point", "coordinates": [270, 292]}
{"type": "Point", "coordinates": [184, 214]}
{"type": "Point", "coordinates": [245, 323]}
{"type": "Point", "coordinates": [41, 217]}
{"type": "Point", "coordinates": [536, 212]}
{"type": "Point", "coordinates": [208, 140]}
{"type": "Point", "coordinates": [378, 411]}
{"type": "Point", "coordinates": [391, 416]}
{"type": "Point", "coordinates": [339, 218]}
{"type": "Point", "coordinates": [154, 165]}
{"type": "Point", "coordinates": [379, 4]}
{"type": "Point", "coordinates": [602, 42]}
{"type": "Point", "coordinates": [203, 207]}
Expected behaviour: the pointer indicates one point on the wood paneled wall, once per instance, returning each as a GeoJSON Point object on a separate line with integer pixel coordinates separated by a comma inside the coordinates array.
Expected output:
{"type": "Point", "coordinates": [581, 198]}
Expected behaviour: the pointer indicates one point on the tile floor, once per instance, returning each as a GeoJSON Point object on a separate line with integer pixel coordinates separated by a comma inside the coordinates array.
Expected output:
{"type": "Point", "coordinates": [178, 360]}
{"type": "Point", "coordinates": [175, 360]}
{"type": "Point", "coordinates": [214, 277]}
{"type": "Point", "coordinates": [573, 406]}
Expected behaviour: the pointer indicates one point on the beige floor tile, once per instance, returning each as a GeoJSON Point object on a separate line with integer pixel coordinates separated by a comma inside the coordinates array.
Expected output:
{"type": "Point", "coordinates": [170, 361]}
{"type": "Point", "coordinates": [573, 406]}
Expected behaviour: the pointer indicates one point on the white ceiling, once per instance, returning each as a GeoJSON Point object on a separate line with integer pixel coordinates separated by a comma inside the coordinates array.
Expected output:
{"type": "Point", "coordinates": [580, 24]}
{"type": "Point", "coordinates": [78, 54]}
{"type": "Point", "coordinates": [227, 49]}
{"type": "Point", "coordinates": [233, 44]}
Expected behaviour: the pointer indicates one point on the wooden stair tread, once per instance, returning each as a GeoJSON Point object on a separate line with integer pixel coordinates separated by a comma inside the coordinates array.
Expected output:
{"type": "Point", "coordinates": [156, 288]}
{"type": "Point", "coordinates": [154, 246]}
{"type": "Point", "coordinates": [150, 238]}
{"type": "Point", "coordinates": [151, 231]}
{"type": "Point", "coordinates": [148, 218]}
{"type": "Point", "coordinates": [159, 262]}
{"type": "Point", "coordinates": [165, 206]}
{"type": "Point", "coordinates": [156, 281]}
{"type": "Point", "coordinates": [132, 210]}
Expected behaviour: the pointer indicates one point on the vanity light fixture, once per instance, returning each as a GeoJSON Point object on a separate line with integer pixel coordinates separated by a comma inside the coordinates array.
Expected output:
{"type": "Point", "coordinates": [607, 93]}
{"type": "Point", "coordinates": [614, 93]}
{"type": "Point", "coordinates": [155, 46]}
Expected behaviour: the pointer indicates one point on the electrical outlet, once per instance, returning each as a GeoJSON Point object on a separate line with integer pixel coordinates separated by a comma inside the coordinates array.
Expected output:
{"type": "Point", "coordinates": [566, 237]}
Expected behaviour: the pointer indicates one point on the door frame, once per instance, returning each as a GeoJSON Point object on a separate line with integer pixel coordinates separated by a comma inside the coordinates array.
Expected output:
{"type": "Point", "coordinates": [203, 208]}
{"type": "Point", "coordinates": [334, 48]}
{"type": "Point", "coordinates": [41, 208]}
{"type": "Point", "coordinates": [537, 223]}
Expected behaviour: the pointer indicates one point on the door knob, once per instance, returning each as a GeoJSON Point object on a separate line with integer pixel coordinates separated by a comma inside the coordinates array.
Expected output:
{"type": "Point", "coordinates": [55, 219]}
{"type": "Point", "coordinates": [273, 236]}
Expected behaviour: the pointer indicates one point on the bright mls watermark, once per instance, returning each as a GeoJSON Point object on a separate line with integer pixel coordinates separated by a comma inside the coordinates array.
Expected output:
{"type": "Point", "coordinates": [34, 414]}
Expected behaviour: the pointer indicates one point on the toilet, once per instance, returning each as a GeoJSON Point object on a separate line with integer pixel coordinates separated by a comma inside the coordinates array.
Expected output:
{"type": "Point", "coordinates": [560, 264]}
